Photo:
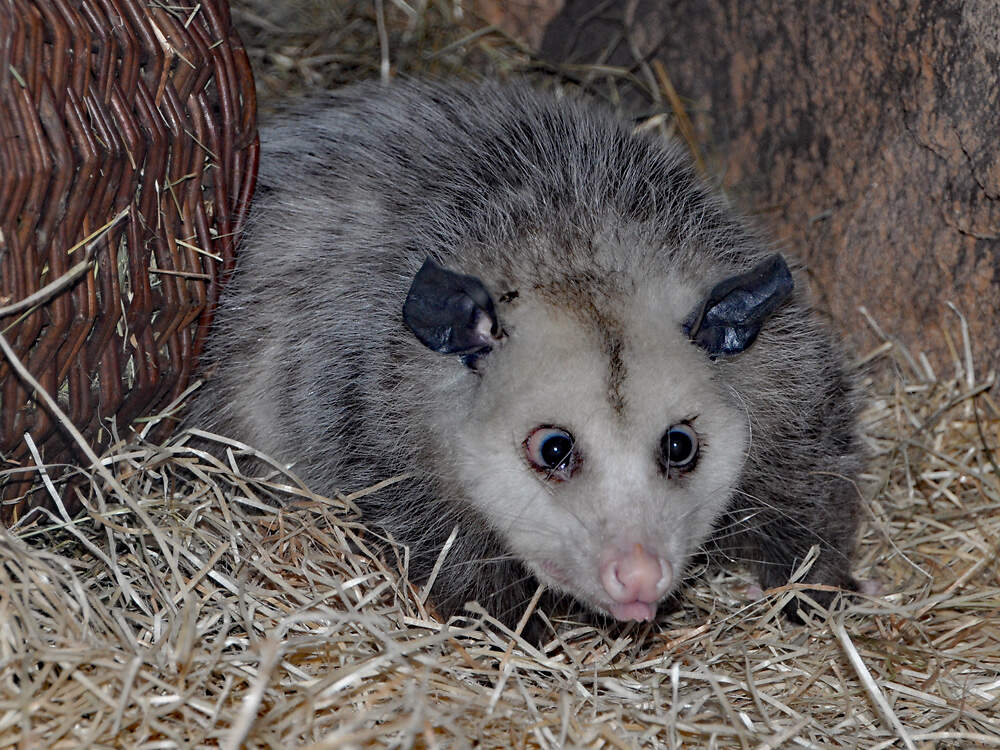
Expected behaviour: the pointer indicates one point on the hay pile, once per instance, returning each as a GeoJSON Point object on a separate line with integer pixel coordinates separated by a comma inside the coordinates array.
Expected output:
{"type": "Point", "coordinates": [192, 605]}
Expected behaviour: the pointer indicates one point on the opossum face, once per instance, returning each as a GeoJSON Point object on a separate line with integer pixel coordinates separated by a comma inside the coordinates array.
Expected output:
{"type": "Point", "coordinates": [601, 457]}
{"type": "Point", "coordinates": [599, 445]}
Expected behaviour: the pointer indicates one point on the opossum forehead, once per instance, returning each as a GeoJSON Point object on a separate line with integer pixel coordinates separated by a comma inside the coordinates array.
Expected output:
{"type": "Point", "coordinates": [628, 369]}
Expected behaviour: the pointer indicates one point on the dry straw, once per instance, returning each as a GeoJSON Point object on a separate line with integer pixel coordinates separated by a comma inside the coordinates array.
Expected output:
{"type": "Point", "coordinates": [194, 605]}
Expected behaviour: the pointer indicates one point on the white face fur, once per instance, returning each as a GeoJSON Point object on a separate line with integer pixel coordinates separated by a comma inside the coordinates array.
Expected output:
{"type": "Point", "coordinates": [554, 370]}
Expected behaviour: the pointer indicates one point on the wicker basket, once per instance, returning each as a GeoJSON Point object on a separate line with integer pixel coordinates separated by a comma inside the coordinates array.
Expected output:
{"type": "Point", "coordinates": [127, 139]}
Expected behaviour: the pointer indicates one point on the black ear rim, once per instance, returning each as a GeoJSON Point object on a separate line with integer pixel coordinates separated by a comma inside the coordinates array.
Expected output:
{"type": "Point", "coordinates": [770, 279]}
{"type": "Point", "coordinates": [446, 310]}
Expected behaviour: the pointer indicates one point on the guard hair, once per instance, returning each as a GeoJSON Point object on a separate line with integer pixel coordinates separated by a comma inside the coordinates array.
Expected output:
{"type": "Point", "coordinates": [587, 365]}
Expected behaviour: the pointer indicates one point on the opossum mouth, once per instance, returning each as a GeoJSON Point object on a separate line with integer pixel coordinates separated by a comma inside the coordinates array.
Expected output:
{"type": "Point", "coordinates": [640, 611]}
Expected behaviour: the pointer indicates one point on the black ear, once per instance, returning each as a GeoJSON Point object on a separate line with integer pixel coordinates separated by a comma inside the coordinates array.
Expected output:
{"type": "Point", "coordinates": [451, 313]}
{"type": "Point", "coordinates": [729, 319]}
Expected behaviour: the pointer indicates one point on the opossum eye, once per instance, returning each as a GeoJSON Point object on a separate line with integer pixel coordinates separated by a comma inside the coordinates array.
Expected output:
{"type": "Point", "coordinates": [550, 450]}
{"type": "Point", "coordinates": [679, 448]}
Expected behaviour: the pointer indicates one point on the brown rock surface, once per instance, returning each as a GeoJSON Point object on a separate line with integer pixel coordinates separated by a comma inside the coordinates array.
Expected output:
{"type": "Point", "coordinates": [522, 19]}
{"type": "Point", "coordinates": [865, 134]}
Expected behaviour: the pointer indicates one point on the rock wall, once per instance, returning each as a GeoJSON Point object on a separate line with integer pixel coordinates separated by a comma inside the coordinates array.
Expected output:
{"type": "Point", "coordinates": [865, 135]}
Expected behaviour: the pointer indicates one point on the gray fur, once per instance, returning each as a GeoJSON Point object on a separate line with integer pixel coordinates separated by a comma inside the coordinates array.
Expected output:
{"type": "Point", "coordinates": [609, 240]}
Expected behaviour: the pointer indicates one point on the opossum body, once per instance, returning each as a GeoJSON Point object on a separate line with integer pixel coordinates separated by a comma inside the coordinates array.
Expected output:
{"type": "Point", "coordinates": [588, 367]}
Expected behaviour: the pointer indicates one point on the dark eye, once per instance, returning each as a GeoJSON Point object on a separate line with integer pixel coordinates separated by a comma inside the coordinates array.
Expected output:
{"type": "Point", "coordinates": [550, 449]}
{"type": "Point", "coordinates": [679, 448]}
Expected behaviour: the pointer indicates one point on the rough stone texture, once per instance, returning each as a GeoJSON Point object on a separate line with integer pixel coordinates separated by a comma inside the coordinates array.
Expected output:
{"type": "Point", "coordinates": [865, 133]}
{"type": "Point", "coordinates": [522, 19]}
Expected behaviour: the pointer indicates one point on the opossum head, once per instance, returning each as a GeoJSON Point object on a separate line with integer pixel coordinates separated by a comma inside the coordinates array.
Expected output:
{"type": "Point", "coordinates": [599, 441]}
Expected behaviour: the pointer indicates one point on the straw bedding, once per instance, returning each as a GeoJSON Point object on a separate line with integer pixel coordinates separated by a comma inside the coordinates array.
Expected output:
{"type": "Point", "coordinates": [193, 605]}
{"type": "Point", "coordinates": [196, 606]}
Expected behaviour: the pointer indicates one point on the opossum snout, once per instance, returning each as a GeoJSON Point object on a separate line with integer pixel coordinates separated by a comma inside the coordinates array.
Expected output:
{"type": "Point", "coordinates": [635, 580]}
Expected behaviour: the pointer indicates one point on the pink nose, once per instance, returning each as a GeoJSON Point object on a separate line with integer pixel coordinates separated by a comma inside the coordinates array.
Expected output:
{"type": "Point", "coordinates": [635, 577]}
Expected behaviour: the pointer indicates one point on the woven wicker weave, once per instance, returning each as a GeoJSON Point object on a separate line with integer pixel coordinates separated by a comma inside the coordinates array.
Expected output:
{"type": "Point", "coordinates": [124, 109]}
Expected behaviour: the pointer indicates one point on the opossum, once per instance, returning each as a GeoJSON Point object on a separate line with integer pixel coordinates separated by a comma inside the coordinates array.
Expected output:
{"type": "Point", "coordinates": [588, 367]}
